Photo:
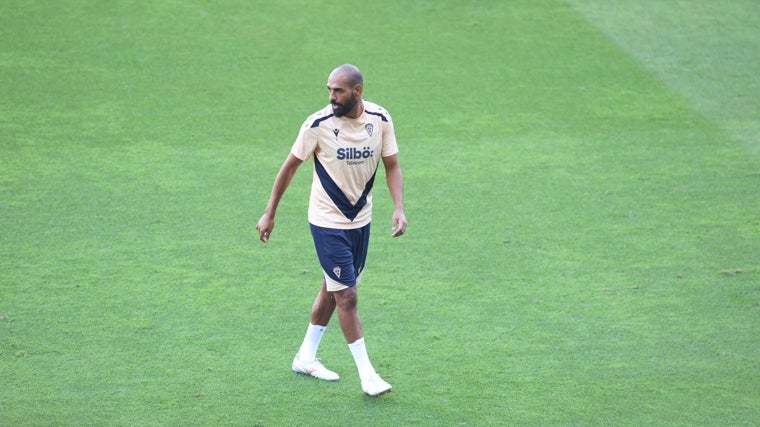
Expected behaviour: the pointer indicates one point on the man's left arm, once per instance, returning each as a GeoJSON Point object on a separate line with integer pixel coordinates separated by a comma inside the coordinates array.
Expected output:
{"type": "Point", "coordinates": [395, 182]}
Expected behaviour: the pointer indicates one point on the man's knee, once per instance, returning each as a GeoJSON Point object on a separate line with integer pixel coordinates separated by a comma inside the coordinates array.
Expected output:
{"type": "Point", "coordinates": [346, 298]}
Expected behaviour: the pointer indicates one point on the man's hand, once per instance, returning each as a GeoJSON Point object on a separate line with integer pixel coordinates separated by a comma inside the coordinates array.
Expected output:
{"type": "Point", "coordinates": [398, 224]}
{"type": "Point", "coordinates": [265, 227]}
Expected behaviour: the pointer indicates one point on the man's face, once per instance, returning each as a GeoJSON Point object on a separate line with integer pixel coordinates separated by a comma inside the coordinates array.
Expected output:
{"type": "Point", "coordinates": [343, 97]}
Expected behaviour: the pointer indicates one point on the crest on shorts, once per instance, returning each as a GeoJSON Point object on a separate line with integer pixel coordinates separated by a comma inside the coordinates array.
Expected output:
{"type": "Point", "coordinates": [369, 128]}
{"type": "Point", "coordinates": [336, 270]}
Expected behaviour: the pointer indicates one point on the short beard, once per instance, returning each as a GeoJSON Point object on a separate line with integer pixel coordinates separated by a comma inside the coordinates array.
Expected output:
{"type": "Point", "coordinates": [344, 109]}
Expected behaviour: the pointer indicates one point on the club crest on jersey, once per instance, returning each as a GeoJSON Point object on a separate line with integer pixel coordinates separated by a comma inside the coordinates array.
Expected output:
{"type": "Point", "coordinates": [336, 270]}
{"type": "Point", "coordinates": [369, 128]}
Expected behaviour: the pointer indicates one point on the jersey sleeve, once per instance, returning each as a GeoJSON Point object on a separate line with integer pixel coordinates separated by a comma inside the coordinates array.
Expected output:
{"type": "Point", "coordinates": [305, 143]}
{"type": "Point", "coordinates": [390, 147]}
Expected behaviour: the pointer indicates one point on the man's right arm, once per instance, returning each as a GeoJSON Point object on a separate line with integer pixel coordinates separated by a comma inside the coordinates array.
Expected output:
{"type": "Point", "coordinates": [281, 183]}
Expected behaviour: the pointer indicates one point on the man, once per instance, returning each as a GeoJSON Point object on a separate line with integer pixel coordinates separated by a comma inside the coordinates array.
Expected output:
{"type": "Point", "coordinates": [346, 139]}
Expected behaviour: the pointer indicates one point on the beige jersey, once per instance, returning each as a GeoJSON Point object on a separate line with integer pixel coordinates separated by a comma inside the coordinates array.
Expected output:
{"type": "Point", "coordinates": [346, 155]}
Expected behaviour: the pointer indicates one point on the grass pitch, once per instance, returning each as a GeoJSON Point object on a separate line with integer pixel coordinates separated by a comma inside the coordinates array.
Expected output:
{"type": "Point", "coordinates": [581, 184]}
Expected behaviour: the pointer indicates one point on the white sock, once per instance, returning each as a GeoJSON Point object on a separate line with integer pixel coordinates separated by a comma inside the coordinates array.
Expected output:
{"type": "Point", "coordinates": [359, 350]}
{"type": "Point", "coordinates": [310, 344]}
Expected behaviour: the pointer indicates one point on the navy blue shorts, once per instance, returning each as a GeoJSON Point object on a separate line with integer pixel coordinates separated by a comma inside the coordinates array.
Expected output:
{"type": "Point", "coordinates": [342, 254]}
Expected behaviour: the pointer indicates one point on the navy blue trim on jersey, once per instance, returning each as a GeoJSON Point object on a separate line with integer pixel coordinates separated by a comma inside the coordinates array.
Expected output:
{"type": "Point", "coordinates": [316, 123]}
{"type": "Point", "coordinates": [337, 196]}
{"type": "Point", "coordinates": [381, 115]}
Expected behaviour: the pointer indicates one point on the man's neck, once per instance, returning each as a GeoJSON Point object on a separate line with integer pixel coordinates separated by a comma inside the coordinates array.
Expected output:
{"type": "Point", "coordinates": [357, 111]}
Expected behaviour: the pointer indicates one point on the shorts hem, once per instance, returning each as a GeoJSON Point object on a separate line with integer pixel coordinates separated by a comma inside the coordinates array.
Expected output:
{"type": "Point", "coordinates": [333, 285]}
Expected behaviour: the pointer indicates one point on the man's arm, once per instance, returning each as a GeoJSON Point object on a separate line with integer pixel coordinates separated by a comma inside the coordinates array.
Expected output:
{"type": "Point", "coordinates": [281, 183]}
{"type": "Point", "coordinates": [396, 187]}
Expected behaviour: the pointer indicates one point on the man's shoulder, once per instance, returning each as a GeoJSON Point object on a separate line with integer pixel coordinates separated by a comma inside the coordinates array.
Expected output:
{"type": "Point", "coordinates": [318, 117]}
{"type": "Point", "coordinates": [376, 110]}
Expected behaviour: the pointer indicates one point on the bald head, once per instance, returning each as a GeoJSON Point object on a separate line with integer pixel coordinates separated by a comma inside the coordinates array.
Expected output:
{"type": "Point", "coordinates": [352, 74]}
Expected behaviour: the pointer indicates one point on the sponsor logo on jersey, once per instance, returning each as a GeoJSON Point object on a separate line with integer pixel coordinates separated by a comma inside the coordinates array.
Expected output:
{"type": "Point", "coordinates": [352, 153]}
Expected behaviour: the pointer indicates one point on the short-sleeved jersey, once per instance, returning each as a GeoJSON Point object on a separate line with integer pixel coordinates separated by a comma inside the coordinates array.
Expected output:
{"type": "Point", "coordinates": [347, 153]}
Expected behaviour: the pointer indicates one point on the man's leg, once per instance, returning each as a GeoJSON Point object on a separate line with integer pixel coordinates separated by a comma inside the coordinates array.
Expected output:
{"type": "Point", "coordinates": [306, 361]}
{"type": "Point", "coordinates": [323, 308]}
{"type": "Point", "coordinates": [351, 325]}
{"type": "Point", "coordinates": [346, 301]}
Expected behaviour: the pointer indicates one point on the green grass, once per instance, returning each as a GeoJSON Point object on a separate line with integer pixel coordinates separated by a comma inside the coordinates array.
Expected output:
{"type": "Point", "coordinates": [582, 189]}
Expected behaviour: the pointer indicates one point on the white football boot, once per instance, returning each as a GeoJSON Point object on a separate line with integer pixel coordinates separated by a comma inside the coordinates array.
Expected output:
{"type": "Point", "coordinates": [315, 369]}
